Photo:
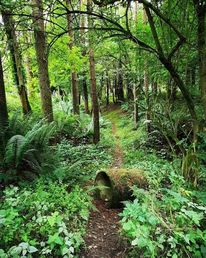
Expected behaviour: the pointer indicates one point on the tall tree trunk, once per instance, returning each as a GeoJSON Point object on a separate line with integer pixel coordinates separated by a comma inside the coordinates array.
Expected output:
{"type": "Point", "coordinates": [107, 90]}
{"type": "Point", "coordinates": [113, 87]}
{"type": "Point", "coordinates": [29, 72]}
{"type": "Point", "coordinates": [119, 86]}
{"type": "Point", "coordinates": [42, 59]}
{"type": "Point", "coordinates": [83, 42]}
{"type": "Point", "coordinates": [16, 61]}
{"type": "Point", "coordinates": [75, 90]}
{"type": "Point", "coordinates": [3, 103]}
{"type": "Point", "coordinates": [135, 95]}
{"type": "Point", "coordinates": [95, 104]}
{"type": "Point", "coordinates": [85, 95]}
{"type": "Point", "coordinates": [3, 110]}
{"type": "Point", "coordinates": [200, 7]}
{"type": "Point", "coordinates": [146, 82]}
{"type": "Point", "coordinates": [136, 112]}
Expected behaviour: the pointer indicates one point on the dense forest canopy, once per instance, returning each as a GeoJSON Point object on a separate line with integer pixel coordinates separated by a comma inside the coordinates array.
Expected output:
{"type": "Point", "coordinates": [113, 86]}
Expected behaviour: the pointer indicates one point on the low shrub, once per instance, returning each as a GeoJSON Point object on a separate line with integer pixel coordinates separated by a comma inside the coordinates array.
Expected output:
{"type": "Point", "coordinates": [43, 220]}
{"type": "Point", "coordinates": [165, 223]}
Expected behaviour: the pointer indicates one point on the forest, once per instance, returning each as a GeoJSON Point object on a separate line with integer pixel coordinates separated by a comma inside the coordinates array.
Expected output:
{"type": "Point", "coordinates": [103, 128]}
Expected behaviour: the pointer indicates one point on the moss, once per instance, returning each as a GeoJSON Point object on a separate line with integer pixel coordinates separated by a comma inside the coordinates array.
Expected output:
{"type": "Point", "coordinates": [114, 185]}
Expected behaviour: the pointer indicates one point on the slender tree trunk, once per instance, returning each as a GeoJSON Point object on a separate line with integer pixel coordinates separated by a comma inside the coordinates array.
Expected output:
{"type": "Point", "coordinates": [3, 103]}
{"type": "Point", "coordinates": [135, 95]}
{"type": "Point", "coordinates": [200, 7]}
{"type": "Point", "coordinates": [3, 111]}
{"type": "Point", "coordinates": [136, 115]}
{"type": "Point", "coordinates": [16, 61]}
{"type": "Point", "coordinates": [29, 72]}
{"type": "Point", "coordinates": [101, 87]}
{"type": "Point", "coordinates": [113, 90]}
{"type": "Point", "coordinates": [42, 59]}
{"type": "Point", "coordinates": [95, 104]}
{"type": "Point", "coordinates": [75, 90]}
{"type": "Point", "coordinates": [83, 42]}
{"type": "Point", "coordinates": [107, 90]}
{"type": "Point", "coordinates": [85, 95]}
{"type": "Point", "coordinates": [146, 82]}
{"type": "Point", "coordinates": [119, 85]}
{"type": "Point", "coordinates": [30, 76]}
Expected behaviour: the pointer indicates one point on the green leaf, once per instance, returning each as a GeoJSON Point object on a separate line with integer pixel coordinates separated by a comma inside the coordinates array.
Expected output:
{"type": "Point", "coordinates": [65, 250]}
{"type": "Point", "coordinates": [32, 249]}
{"type": "Point", "coordinates": [55, 239]}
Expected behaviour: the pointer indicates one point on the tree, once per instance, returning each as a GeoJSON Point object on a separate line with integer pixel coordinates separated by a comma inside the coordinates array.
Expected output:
{"type": "Point", "coordinates": [200, 8]}
{"type": "Point", "coordinates": [94, 97]}
{"type": "Point", "coordinates": [42, 59]}
{"type": "Point", "coordinates": [83, 42]}
{"type": "Point", "coordinates": [75, 90]}
{"type": "Point", "coordinates": [16, 60]}
{"type": "Point", "coordinates": [125, 33]}
{"type": "Point", "coordinates": [3, 103]}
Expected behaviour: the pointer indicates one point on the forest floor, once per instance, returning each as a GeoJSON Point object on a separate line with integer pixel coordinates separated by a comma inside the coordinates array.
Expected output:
{"type": "Point", "coordinates": [103, 239]}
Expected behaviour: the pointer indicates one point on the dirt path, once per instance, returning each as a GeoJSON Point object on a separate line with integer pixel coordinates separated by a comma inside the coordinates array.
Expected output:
{"type": "Point", "coordinates": [103, 239]}
{"type": "Point", "coordinates": [118, 152]}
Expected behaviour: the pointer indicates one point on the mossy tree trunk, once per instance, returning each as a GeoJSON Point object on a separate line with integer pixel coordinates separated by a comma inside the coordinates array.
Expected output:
{"type": "Point", "coordinates": [83, 42]}
{"type": "Point", "coordinates": [3, 103]}
{"type": "Point", "coordinates": [16, 60]}
{"type": "Point", "coordinates": [200, 7]}
{"type": "Point", "coordinates": [42, 59]}
{"type": "Point", "coordinates": [114, 185]}
{"type": "Point", "coordinates": [94, 96]}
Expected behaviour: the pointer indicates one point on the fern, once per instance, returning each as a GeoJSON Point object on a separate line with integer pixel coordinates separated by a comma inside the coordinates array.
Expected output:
{"type": "Point", "coordinates": [26, 153]}
{"type": "Point", "coordinates": [17, 148]}
{"type": "Point", "coordinates": [41, 133]}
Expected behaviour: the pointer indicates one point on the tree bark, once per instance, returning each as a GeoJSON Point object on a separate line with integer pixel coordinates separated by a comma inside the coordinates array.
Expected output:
{"type": "Point", "coordinates": [119, 86]}
{"type": "Point", "coordinates": [75, 90]}
{"type": "Point", "coordinates": [16, 59]}
{"type": "Point", "coordinates": [84, 81]}
{"type": "Point", "coordinates": [94, 97]}
{"type": "Point", "coordinates": [85, 95]}
{"type": "Point", "coordinates": [136, 111]}
{"type": "Point", "coordinates": [107, 90]}
{"type": "Point", "coordinates": [200, 7]}
{"type": "Point", "coordinates": [95, 104]}
{"type": "Point", "coordinates": [3, 103]}
{"type": "Point", "coordinates": [29, 72]}
{"type": "Point", "coordinates": [42, 59]}
{"type": "Point", "coordinates": [113, 86]}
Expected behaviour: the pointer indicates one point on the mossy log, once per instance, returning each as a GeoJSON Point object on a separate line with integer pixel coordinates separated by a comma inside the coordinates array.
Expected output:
{"type": "Point", "coordinates": [114, 185]}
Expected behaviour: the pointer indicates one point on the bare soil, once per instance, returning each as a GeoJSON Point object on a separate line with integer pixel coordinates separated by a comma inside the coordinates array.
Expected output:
{"type": "Point", "coordinates": [103, 239]}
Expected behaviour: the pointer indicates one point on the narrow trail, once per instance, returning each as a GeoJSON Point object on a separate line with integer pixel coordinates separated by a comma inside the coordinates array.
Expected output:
{"type": "Point", "coordinates": [103, 239]}
{"type": "Point", "coordinates": [118, 152]}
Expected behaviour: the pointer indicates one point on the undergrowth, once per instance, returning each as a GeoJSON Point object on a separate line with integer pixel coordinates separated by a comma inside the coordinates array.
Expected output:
{"type": "Point", "coordinates": [168, 218]}
{"type": "Point", "coordinates": [43, 220]}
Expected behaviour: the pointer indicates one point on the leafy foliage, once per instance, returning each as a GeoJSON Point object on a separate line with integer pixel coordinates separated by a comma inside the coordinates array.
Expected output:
{"type": "Point", "coordinates": [166, 223]}
{"type": "Point", "coordinates": [43, 219]}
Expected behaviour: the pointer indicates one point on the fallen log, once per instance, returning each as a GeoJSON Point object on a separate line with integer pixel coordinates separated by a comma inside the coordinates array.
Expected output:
{"type": "Point", "coordinates": [114, 185]}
